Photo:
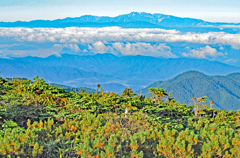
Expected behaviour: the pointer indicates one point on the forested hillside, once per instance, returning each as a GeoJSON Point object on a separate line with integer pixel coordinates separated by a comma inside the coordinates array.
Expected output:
{"type": "Point", "coordinates": [76, 90]}
{"type": "Point", "coordinates": [114, 73]}
{"type": "Point", "coordinates": [39, 120]}
{"type": "Point", "coordinates": [224, 90]}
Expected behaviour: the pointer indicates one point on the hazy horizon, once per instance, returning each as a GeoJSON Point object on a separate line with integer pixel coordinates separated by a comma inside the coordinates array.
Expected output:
{"type": "Point", "coordinates": [207, 10]}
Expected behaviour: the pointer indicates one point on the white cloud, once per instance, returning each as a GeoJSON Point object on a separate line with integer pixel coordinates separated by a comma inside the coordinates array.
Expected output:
{"type": "Point", "coordinates": [100, 47]}
{"type": "Point", "coordinates": [120, 40]}
{"type": "Point", "coordinates": [3, 55]}
{"type": "Point", "coordinates": [230, 26]}
{"type": "Point", "coordinates": [117, 34]}
{"type": "Point", "coordinates": [137, 48]}
{"type": "Point", "coordinates": [144, 49]}
{"type": "Point", "coordinates": [236, 46]}
{"type": "Point", "coordinates": [221, 48]}
{"type": "Point", "coordinates": [202, 52]}
{"type": "Point", "coordinates": [73, 47]}
{"type": "Point", "coordinates": [231, 60]}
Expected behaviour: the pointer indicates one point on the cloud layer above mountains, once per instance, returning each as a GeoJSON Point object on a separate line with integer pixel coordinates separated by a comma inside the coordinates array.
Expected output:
{"type": "Point", "coordinates": [203, 52]}
{"type": "Point", "coordinates": [116, 34]}
{"type": "Point", "coordinates": [116, 40]}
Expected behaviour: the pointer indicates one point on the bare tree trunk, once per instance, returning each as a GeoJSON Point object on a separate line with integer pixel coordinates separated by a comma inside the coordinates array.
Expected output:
{"type": "Point", "coordinates": [195, 107]}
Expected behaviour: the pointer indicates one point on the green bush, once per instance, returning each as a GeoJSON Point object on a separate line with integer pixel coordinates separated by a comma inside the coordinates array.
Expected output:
{"type": "Point", "coordinates": [38, 120]}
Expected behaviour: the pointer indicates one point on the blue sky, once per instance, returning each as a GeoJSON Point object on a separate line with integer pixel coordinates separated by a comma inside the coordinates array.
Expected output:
{"type": "Point", "coordinates": [42, 42]}
{"type": "Point", "coordinates": [210, 10]}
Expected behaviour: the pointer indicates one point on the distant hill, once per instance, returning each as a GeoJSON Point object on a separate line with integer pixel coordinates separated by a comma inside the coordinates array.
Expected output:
{"type": "Point", "coordinates": [131, 20]}
{"type": "Point", "coordinates": [112, 72]}
{"type": "Point", "coordinates": [76, 90]}
{"type": "Point", "coordinates": [67, 88]}
{"type": "Point", "coordinates": [224, 90]}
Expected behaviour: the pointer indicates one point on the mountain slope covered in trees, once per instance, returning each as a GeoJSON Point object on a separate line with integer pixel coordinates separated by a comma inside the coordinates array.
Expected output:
{"type": "Point", "coordinates": [106, 69]}
{"type": "Point", "coordinates": [223, 90]}
{"type": "Point", "coordinates": [76, 90]}
{"type": "Point", "coordinates": [39, 120]}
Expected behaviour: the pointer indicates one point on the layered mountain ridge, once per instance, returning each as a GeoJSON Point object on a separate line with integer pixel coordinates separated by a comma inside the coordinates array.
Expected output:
{"type": "Point", "coordinates": [108, 70]}
{"type": "Point", "coordinates": [223, 90]}
{"type": "Point", "coordinates": [131, 20]}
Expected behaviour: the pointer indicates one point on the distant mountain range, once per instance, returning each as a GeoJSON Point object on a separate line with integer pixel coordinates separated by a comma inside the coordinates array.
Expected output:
{"type": "Point", "coordinates": [223, 90]}
{"type": "Point", "coordinates": [131, 20]}
{"type": "Point", "coordinates": [114, 73]}
{"type": "Point", "coordinates": [77, 90]}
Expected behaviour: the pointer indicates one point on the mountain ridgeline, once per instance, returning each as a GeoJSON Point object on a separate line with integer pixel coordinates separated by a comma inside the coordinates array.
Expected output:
{"type": "Point", "coordinates": [112, 72]}
{"type": "Point", "coordinates": [76, 90]}
{"type": "Point", "coordinates": [223, 90]}
{"type": "Point", "coordinates": [131, 20]}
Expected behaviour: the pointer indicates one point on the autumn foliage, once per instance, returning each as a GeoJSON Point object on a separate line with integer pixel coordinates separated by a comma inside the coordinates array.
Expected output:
{"type": "Point", "coordinates": [40, 120]}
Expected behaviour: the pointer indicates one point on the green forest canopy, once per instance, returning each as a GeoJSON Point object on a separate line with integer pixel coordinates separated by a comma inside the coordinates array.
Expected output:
{"type": "Point", "coordinates": [224, 90]}
{"type": "Point", "coordinates": [39, 120]}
